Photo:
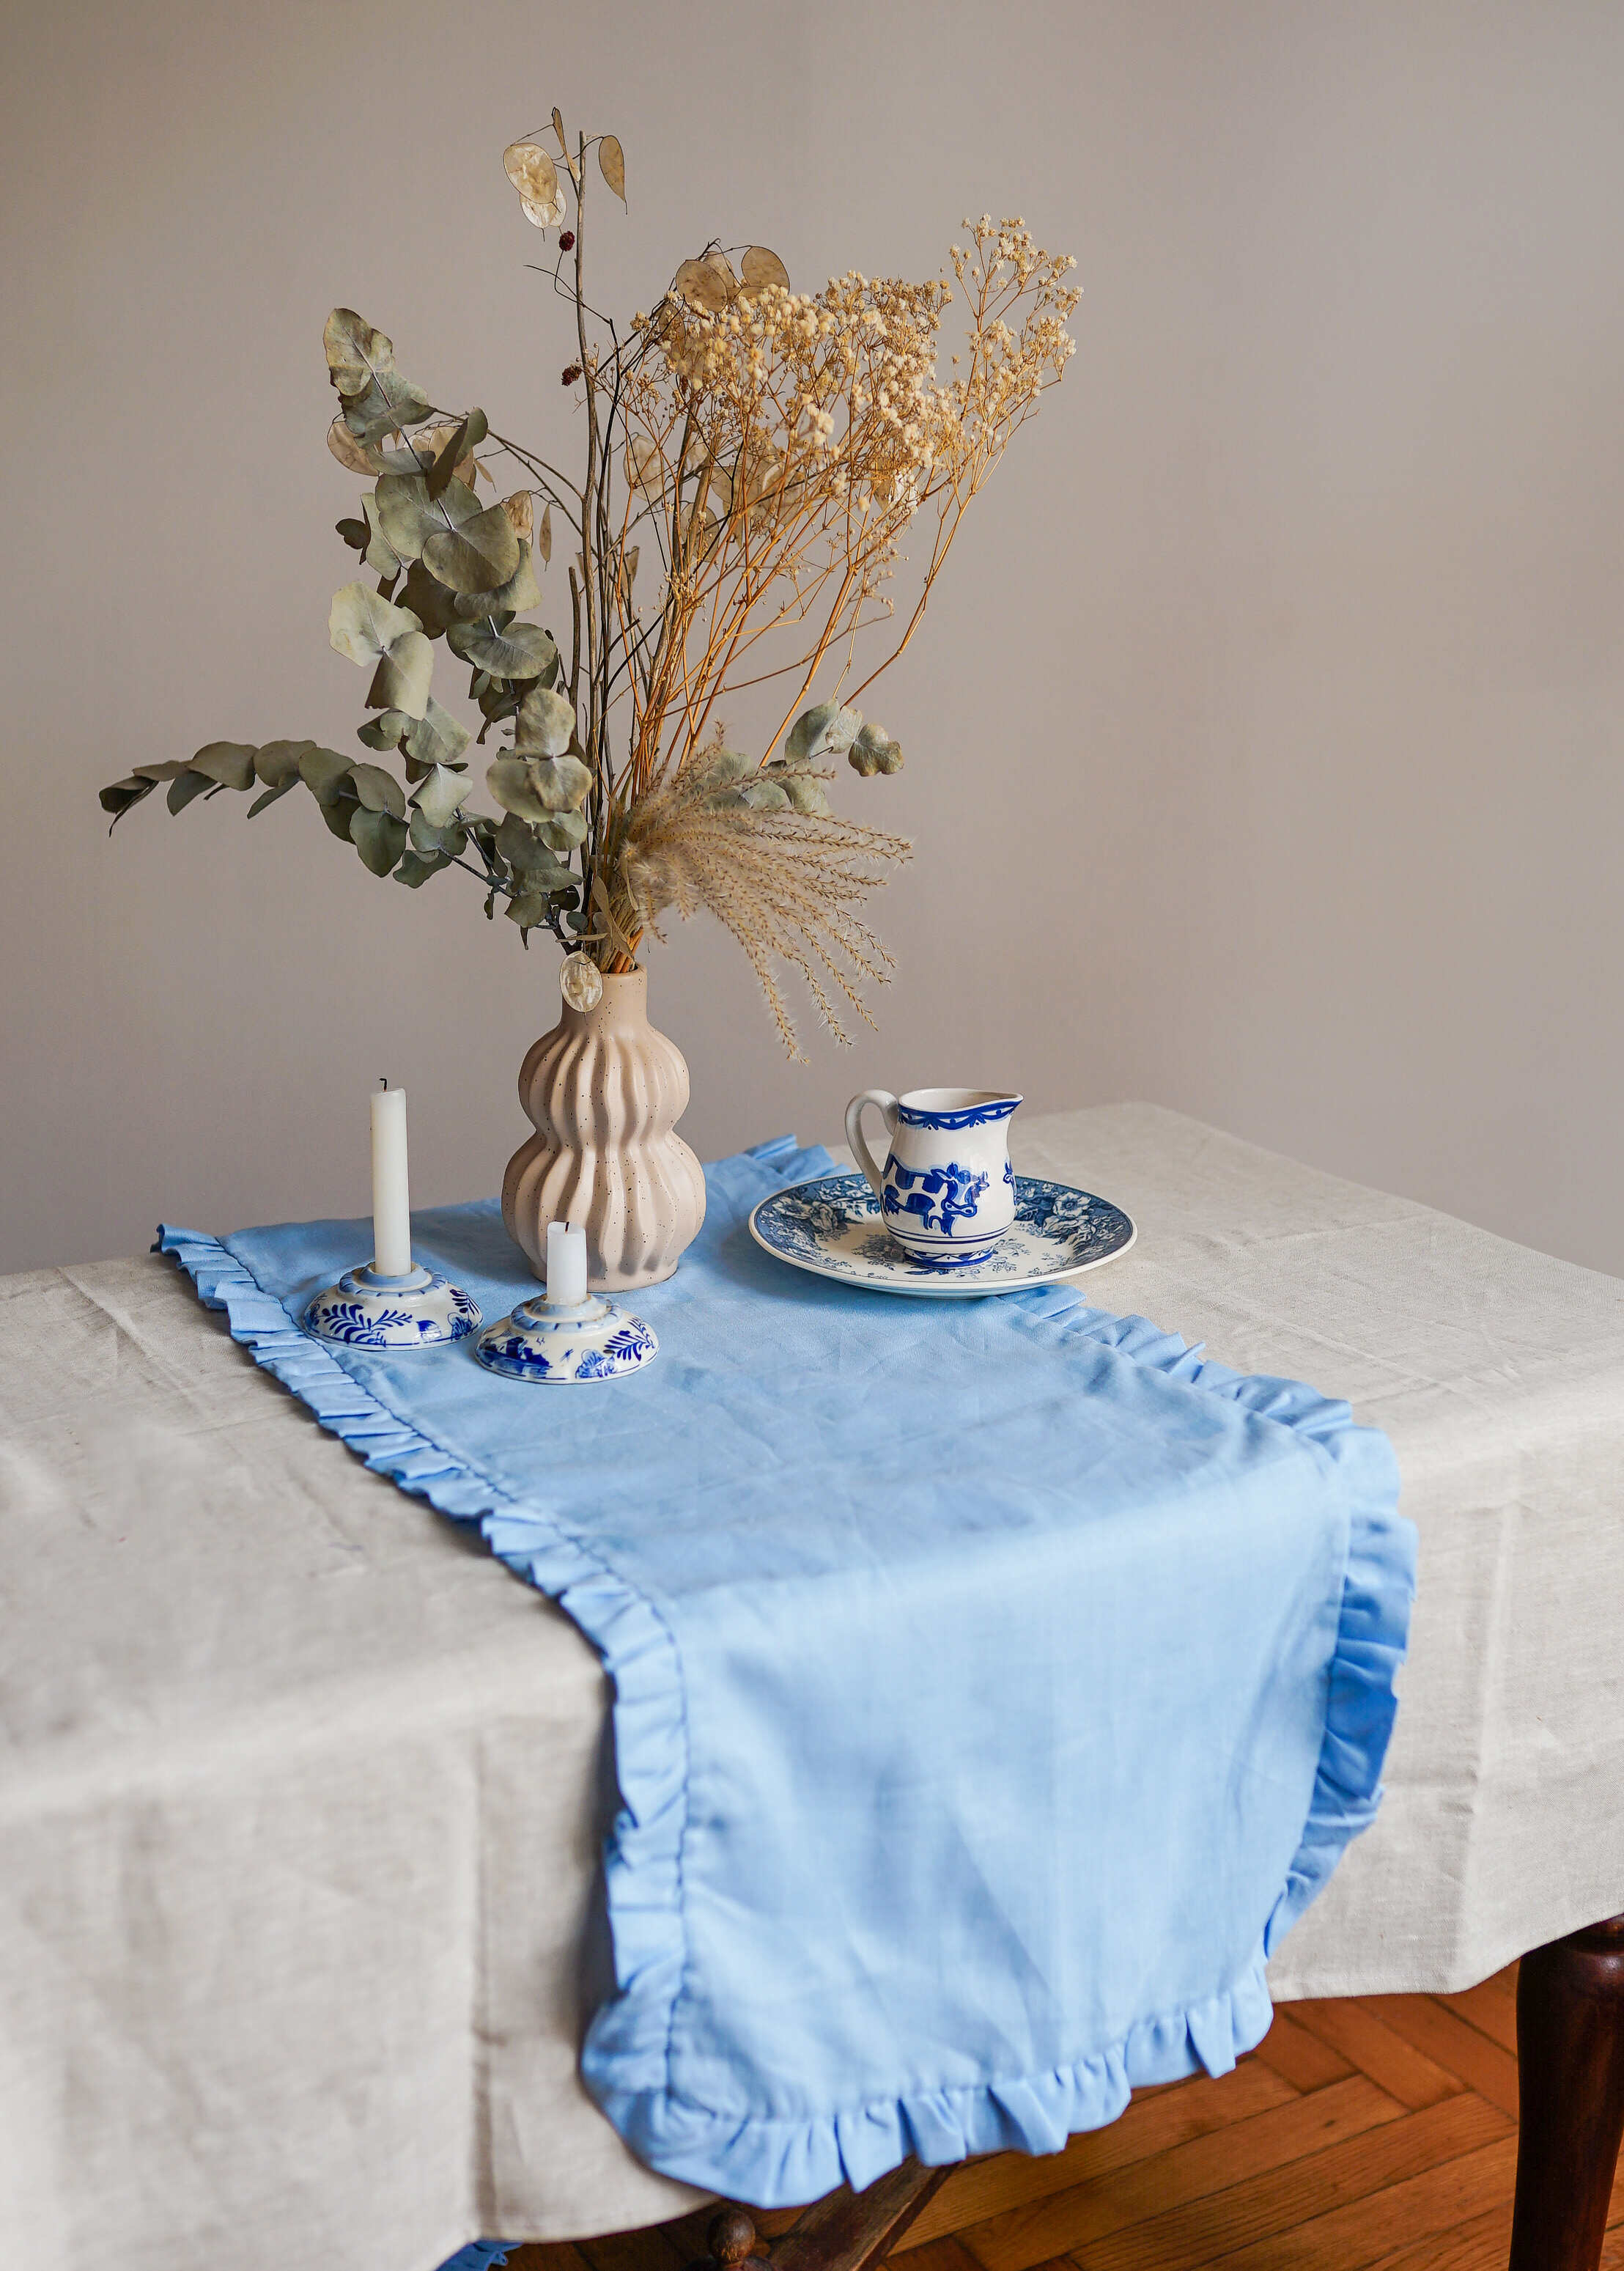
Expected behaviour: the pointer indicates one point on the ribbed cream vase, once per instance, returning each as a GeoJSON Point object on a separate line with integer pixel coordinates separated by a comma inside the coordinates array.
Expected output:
{"type": "Point", "coordinates": [604, 1092]}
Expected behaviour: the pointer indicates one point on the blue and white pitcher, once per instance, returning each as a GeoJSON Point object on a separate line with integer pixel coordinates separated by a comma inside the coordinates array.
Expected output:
{"type": "Point", "coordinates": [946, 1192]}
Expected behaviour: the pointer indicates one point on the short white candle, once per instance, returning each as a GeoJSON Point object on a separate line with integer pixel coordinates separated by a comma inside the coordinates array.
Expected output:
{"type": "Point", "coordinates": [391, 1199]}
{"type": "Point", "coordinates": [567, 1265]}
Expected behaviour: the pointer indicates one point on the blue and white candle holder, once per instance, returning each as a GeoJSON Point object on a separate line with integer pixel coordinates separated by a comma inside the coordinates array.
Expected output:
{"type": "Point", "coordinates": [564, 1342]}
{"type": "Point", "coordinates": [368, 1310]}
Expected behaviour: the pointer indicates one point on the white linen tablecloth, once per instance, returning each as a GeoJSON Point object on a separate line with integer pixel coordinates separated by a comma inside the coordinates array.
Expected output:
{"type": "Point", "coordinates": [301, 1794]}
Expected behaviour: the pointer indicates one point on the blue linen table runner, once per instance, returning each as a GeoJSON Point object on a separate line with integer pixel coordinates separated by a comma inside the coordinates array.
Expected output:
{"type": "Point", "coordinates": [995, 1681]}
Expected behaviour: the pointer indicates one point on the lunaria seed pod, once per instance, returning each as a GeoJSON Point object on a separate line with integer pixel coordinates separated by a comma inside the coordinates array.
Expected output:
{"type": "Point", "coordinates": [580, 981]}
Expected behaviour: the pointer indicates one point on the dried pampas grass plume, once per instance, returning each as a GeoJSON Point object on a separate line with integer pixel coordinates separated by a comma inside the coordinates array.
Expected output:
{"type": "Point", "coordinates": [785, 883]}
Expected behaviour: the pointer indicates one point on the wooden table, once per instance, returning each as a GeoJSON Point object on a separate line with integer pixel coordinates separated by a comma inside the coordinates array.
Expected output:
{"type": "Point", "coordinates": [300, 1796]}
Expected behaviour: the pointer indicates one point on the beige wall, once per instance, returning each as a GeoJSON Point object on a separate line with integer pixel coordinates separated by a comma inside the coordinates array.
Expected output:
{"type": "Point", "coordinates": [1264, 748]}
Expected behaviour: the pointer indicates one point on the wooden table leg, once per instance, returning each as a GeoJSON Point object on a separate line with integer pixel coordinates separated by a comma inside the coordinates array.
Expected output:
{"type": "Point", "coordinates": [1570, 2052]}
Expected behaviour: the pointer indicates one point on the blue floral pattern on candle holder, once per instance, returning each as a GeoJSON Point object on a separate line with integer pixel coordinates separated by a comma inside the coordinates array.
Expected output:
{"type": "Point", "coordinates": [586, 1340]}
{"type": "Point", "coordinates": [425, 1311]}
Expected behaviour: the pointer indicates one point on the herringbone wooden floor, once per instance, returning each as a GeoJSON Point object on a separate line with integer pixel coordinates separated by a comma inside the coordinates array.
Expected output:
{"type": "Point", "coordinates": [1378, 2135]}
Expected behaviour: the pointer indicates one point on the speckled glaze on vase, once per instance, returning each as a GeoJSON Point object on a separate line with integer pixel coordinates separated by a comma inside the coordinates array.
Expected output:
{"type": "Point", "coordinates": [604, 1092]}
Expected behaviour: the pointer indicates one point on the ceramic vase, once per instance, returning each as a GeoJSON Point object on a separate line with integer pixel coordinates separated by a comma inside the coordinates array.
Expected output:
{"type": "Point", "coordinates": [604, 1092]}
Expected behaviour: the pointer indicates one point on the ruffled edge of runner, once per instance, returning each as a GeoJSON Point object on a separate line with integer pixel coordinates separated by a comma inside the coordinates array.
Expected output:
{"type": "Point", "coordinates": [626, 2060]}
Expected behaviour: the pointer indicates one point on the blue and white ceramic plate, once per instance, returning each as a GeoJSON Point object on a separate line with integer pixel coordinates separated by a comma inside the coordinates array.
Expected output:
{"type": "Point", "coordinates": [833, 1227]}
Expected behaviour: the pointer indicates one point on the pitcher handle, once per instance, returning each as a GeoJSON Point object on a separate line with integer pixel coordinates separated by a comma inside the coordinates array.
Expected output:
{"type": "Point", "coordinates": [886, 1102]}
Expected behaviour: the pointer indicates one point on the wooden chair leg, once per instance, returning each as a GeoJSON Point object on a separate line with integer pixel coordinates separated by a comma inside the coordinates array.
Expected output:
{"type": "Point", "coordinates": [1570, 2052]}
{"type": "Point", "coordinates": [847, 2231]}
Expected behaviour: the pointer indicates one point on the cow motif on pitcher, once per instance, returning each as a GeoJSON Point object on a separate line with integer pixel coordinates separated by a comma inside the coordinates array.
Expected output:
{"type": "Point", "coordinates": [946, 1191]}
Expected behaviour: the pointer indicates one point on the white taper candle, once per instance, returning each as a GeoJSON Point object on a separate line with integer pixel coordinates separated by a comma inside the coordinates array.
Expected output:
{"type": "Point", "coordinates": [566, 1264]}
{"type": "Point", "coordinates": [391, 1198]}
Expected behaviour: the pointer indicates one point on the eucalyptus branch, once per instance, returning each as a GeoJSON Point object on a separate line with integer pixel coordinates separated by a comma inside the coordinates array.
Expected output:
{"type": "Point", "coordinates": [774, 449]}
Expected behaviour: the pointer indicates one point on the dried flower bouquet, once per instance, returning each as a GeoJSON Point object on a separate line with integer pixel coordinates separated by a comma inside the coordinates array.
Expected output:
{"type": "Point", "coordinates": [765, 452]}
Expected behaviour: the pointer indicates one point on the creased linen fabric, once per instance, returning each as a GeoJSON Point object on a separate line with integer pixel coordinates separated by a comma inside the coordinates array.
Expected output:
{"type": "Point", "coordinates": [994, 1682]}
{"type": "Point", "coordinates": [301, 1801]}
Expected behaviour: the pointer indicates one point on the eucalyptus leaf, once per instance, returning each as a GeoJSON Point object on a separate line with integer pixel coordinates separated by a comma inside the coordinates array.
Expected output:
{"type": "Point", "coordinates": [275, 764]}
{"type": "Point", "coordinates": [805, 792]}
{"type": "Point", "coordinates": [439, 794]}
{"type": "Point", "coordinates": [384, 731]}
{"type": "Point", "coordinates": [478, 556]}
{"type": "Point", "coordinates": [520, 511]}
{"type": "Point", "coordinates": [520, 592]}
{"type": "Point", "coordinates": [415, 869]}
{"type": "Point", "coordinates": [516, 651]}
{"type": "Point", "coordinates": [408, 516]}
{"type": "Point", "coordinates": [537, 788]}
{"type": "Point", "coordinates": [463, 441]}
{"type": "Point", "coordinates": [449, 842]}
{"type": "Point", "coordinates": [364, 625]}
{"type": "Point", "coordinates": [545, 723]}
{"type": "Point", "coordinates": [325, 774]}
{"type": "Point", "coordinates": [828, 728]}
{"type": "Point", "coordinates": [529, 912]}
{"type": "Point", "coordinates": [378, 836]}
{"type": "Point", "coordinates": [120, 796]}
{"type": "Point", "coordinates": [425, 446]}
{"type": "Point", "coordinates": [563, 830]}
{"type": "Point", "coordinates": [185, 785]}
{"type": "Point", "coordinates": [378, 790]}
{"type": "Point", "coordinates": [765, 795]}
{"type": "Point", "coordinates": [381, 556]}
{"type": "Point", "coordinates": [806, 736]}
{"type": "Point", "coordinates": [518, 843]}
{"type": "Point", "coordinates": [429, 601]}
{"type": "Point", "coordinates": [437, 738]}
{"type": "Point", "coordinates": [388, 403]}
{"type": "Point", "coordinates": [543, 541]}
{"type": "Point", "coordinates": [354, 350]}
{"type": "Point", "coordinates": [271, 796]}
{"type": "Point", "coordinates": [361, 362]}
{"type": "Point", "coordinates": [401, 679]}
{"type": "Point", "coordinates": [338, 814]}
{"type": "Point", "coordinates": [611, 165]}
{"type": "Point", "coordinates": [873, 751]}
{"type": "Point", "coordinates": [525, 846]}
{"type": "Point", "coordinates": [229, 764]}
{"type": "Point", "coordinates": [355, 534]}
{"type": "Point", "coordinates": [547, 872]}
